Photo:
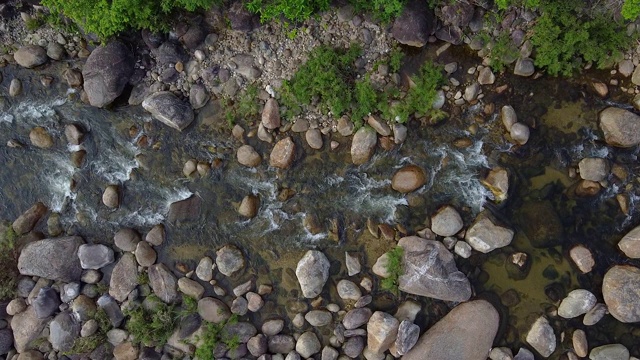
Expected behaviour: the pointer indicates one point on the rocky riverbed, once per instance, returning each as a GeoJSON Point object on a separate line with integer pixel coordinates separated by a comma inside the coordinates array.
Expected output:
{"type": "Point", "coordinates": [125, 191]}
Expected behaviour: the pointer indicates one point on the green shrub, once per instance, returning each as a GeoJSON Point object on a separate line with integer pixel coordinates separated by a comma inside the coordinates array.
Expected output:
{"type": "Point", "coordinates": [293, 10]}
{"type": "Point", "coordinates": [212, 334]}
{"type": "Point", "coordinates": [366, 101]}
{"type": "Point", "coordinates": [383, 10]}
{"type": "Point", "coordinates": [395, 60]}
{"type": "Point", "coordinates": [394, 269]}
{"type": "Point", "coordinates": [152, 326]}
{"type": "Point", "coordinates": [502, 48]}
{"type": "Point", "coordinates": [631, 9]}
{"type": "Point", "coordinates": [245, 107]}
{"type": "Point", "coordinates": [328, 76]}
{"type": "Point", "coordinates": [107, 18]}
{"type": "Point", "coordinates": [83, 345]}
{"type": "Point", "coordinates": [565, 37]}
{"type": "Point", "coordinates": [420, 97]}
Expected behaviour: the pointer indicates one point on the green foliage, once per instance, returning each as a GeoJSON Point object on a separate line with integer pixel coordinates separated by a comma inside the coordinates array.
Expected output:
{"type": "Point", "coordinates": [34, 23]}
{"type": "Point", "coordinates": [501, 48]}
{"type": "Point", "coordinates": [85, 345]}
{"type": "Point", "coordinates": [366, 101]}
{"type": "Point", "coordinates": [328, 76]}
{"type": "Point", "coordinates": [212, 334]}
{"type": "Point", "coordinates": [395, 60]}
{"type": "Point", "coordinates": [245, 107]}
{"type": "Point", "coordinates": [420, 97]}
{"type": "Point", "coordinates": [504, 4]}
{"type": "Point", "coordinates": [394, 269]}
{"type": "Point", "coordinates": [631, 9]}
{"type": "Point", "coordinates": [293, 10]}
{"type": "Point", "coordinates": [565, 37]}
{"type": "Point", "coordinates": [383, 10]}
{"type": "Point", "coordinates": [189, 306]}
{"type": "Point", "coordinates": [8, 262]}
{"type": "Point", "coordinates": [143, 278]}
{"type": "Point", "coordinates": [107, 18]}
{"type": "Point", "coordinates": [153, 325]}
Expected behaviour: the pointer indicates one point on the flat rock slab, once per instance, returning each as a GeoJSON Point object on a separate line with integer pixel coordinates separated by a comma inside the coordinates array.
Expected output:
{"type": "Point", "coordinates": [467, 332]}
{"type": "Point", "coordinates": [169, 110]}
{"type": "Point", "coordinates": [53, 259]}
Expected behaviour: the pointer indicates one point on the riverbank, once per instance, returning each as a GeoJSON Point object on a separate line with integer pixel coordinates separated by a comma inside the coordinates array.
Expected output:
{"type": "Point", "coordinates": [509, 208]}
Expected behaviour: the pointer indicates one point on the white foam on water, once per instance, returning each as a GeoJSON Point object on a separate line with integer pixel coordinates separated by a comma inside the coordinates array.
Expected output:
{"type": "Point", "coordinates": [115, 166]}
{"type": "Point", "coordinates": [140, 218]}
{"type": "Point", "coordinates": [35, 113]}
{"type": "Point", "coordinates": [58, 178]}
{"type": "Point", "coordinates": [459, 178]}
{"type": "Point", "coordinates": [6, 118]}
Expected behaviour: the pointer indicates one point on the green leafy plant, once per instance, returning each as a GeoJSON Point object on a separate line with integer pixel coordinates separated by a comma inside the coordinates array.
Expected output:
{"type": "Point", "coordinates": [212, 335]}
{"type": "Point", "coordinates": [83, 345]}
{"type": "Point", "coordinates": [143, 278]}
{"type": "Point", "coordinates": [293, 10]}
{"type": "Point", "coordinates": [565, 37]}
{"type": "Point", "coordinates": [383, 10]}
{"type": "Point", "coordinates": [8, 262]}
{"type": "Point", "coordinates": [34, 23]}
{"type": "Point", "coordinates": [244, 107]}
{"type": "Point", "coordinates": [189, 306]}
{"type": "Point", "coordinates": [394, 270]}
{"type": "Point", "coordinates": [328, 76]}
{"type": "Point", "coordinates": [501, 48]}
{"type": "Point", "coordinates": [421, 96]}
{"type": "Point", "coordinates": [395, 60]}
{"type": "Point", "coordinates": [366, 101]}
{"type": "Point", "coordinates": [152, 325]}
{"type": "Point", "coordinates": [107, 18]}
{"type": "Point", "coordinates": [630, 9]}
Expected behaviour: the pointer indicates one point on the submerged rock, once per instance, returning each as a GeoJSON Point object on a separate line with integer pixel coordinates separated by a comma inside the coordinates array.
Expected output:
{"type": "Point", "coordinates": [467, 332]}
{"type": "Point", "coordinates": [621, 292]}
{"type": "Point", "coordinates": [53, 259]}
{"type": "Point", "coordinates": [248, 156]}
{"type": "Point", "coordinates": [620, 127]}
{"type": "Point", "coordinates": [111, 196]}
{"type": "Point", "coordinates": [106, 72]}
{"type": "Point", "coordinates": [429, 270]}
{"type": "Point", "coordinates": [312, 272]}
{"type": "Point", "coordinates": [168, 109]}
{"type": "Point", "coordinates": [28, 220]}
{"type": "Point", "coordinates": [593, 169]}
{"type": "Point", "coordinates": [630, 243]}
{"type": "Point", "coordinates": [229, 260]}
{"type": "Point", "coordinates": [40, 137]}
{"type": "Point", "coordinates": [184, 210]}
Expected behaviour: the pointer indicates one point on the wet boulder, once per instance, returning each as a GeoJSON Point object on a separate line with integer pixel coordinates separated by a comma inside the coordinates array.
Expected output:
{"type": "Point", "coordinates": [30, 56]}
{"type": "Point", "coordinates": [408, 179]}
{"type": "Point", "coordinates": [248, 156]}
{"type": "Point", "coordinates": [63, 331]}
{"type": "Point", "coordinates": [6, 341]}
{"type": "Point", "coordinates": [497, 181]}
{"type": "Point", "coordinates": [249, 206]}
{"type": "Point", "coordinates": [446, 222]}
{"type": "Point", "coordinates": [94, 256]}
{"type": "Point", "coordinates": [168, 109]}
{"type": "Point", "coordinates": [312, 272]}
{"type": "Point", "coordinates": [28, 220]}
{"type": "Point", "coordinates": [541, 337]}
{"type": "Point", "coordinates": [577, 302]}
{"type": "Point", "coordinates": [621, 128]}
{"type": "Point", "coordinates": [593, 169]}
{"type": "Point", "coordinates": [467, 332]}
{"type": "Point", "coordinates": [111, 196]}
{"type": "Point", "coordinates": [630, 243]}
{"type": "Point", "coordinates": [198, 96]}
{"type": "Point", "coordinates": [53, 259]}
{"type": "Point", "coordinates": [524, 67]}
{"type": "Point", "coordinates": [408, 335]}
{"type": "Point", "coordinates": [229, 260]}
{"type": "Point", "coordinates": [106, 72]}
{"type": "Point", "coordinates": [414, 25]}
{"type": "Point", "coordinates": [621, 292]}
{"type": "Point", "coordinates": [41, 138]}
{"type": "Point", "coordinates": [363, 145]}
{"type": "Point", "coordinates": [283, 153]}
{"type": "Point", "coordinates": [485, 236]}
{"type": "Point", "coordinates": [429, 270]}
{"type": "Point", "coordinates": [609, 352]}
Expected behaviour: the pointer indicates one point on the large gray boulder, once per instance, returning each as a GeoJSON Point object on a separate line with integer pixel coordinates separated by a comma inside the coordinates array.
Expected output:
{"type": "Point", "coordinates": [26, 327]}
{"type": "Point", "coordinates": [312, 272]}
{"type": "Point", "coordinates": [124, 277]}
{"type": "Point", "coordinates": [163, 283]}
{"type": "Point", "coordinates": [168, 109]}
{"type": "Point", "coordinates": [541, 337]}
{"type": "Point", "coordinates": [467, 332]}
{"type": "Point", "coordinates": [95, 256]}
{"type": "Point", "coordinates": [63, 331]}
{"type": "Point", "coordinates": [414, 25]}
{"type": "Point", "coordinates": [30, 56]}
{"type": "Point", "coordinates": [430, 270]}
{"type": "Point", "coordinates": [621, 128]}
{"type": "Point", "coordinates": [53, 259]}
{"type": "Point", "coordinates": [621, 292]}
{"type": "Point", "coordinates": [106, 73]}
{"type": "Point", "coordinates": [630, 243]}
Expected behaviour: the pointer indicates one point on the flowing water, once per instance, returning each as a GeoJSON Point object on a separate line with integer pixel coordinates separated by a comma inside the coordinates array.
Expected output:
{"type": "Point", "coordinates": [126, 147]}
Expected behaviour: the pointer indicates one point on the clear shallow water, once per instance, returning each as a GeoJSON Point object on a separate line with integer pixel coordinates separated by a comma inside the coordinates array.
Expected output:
{"type": "Point", "coordinates": [326, 186]}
